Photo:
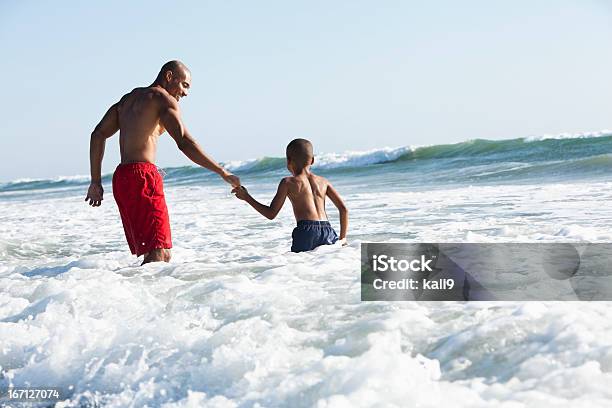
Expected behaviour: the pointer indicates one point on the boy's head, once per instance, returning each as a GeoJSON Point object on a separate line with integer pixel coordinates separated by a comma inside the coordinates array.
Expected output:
{"type": "Point", "coordinates": [299, 154]}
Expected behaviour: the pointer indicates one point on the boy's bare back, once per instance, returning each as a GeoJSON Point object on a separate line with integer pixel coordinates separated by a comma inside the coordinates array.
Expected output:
{"type": "Point", "coordinates": [307, 195]}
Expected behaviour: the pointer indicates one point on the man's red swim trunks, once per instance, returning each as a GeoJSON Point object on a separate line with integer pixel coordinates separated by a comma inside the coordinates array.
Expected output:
{"type": "Point", "coordinates": [139, 192]}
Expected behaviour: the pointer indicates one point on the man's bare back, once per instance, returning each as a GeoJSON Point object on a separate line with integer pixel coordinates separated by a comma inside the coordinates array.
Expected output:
{"type": "Point", "coordinates": [139, 123]}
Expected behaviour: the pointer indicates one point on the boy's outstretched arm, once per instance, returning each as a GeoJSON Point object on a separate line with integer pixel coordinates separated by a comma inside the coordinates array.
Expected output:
{"type": "Point", "coordinates": [337, 200]}
{"type": "Point", "coordinates": [275, 206]}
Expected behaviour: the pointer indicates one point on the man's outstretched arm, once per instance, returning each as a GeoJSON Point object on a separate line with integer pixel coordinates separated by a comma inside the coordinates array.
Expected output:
{"type": "Point", "coordinates": [170, 118]}
{"type": "Point", "coordinates": [108, 126]}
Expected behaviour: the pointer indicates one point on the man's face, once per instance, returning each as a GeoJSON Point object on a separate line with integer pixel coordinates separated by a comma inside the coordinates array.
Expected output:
{"type": "Point", "coordinates": [178, 83]}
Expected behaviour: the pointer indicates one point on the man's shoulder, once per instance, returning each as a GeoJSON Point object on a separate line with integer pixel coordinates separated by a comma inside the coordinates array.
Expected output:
{"type": "Point", "coordinates": [156, 94]}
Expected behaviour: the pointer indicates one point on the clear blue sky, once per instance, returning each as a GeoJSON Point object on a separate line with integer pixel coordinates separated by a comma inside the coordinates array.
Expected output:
{"type": "Point", "coordinates": [349, 75]}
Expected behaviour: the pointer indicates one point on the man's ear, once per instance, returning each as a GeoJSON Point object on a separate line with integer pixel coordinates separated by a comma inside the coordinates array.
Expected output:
{"type": "Point", "coordinates": [168, 75]}
{"type": "Point", "coordinates": [312, 161]}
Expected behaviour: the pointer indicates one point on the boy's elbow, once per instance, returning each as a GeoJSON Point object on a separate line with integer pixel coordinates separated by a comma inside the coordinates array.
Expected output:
{"type": "Point", "coordinates": [343, 209]}
{"type": "Point", "coordinates": [272, 214]}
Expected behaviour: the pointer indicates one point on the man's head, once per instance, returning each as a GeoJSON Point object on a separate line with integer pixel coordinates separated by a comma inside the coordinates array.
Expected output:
{"type": "Point", "coordinates": [299, 155]}
{"type": "Point", "coordinates": [175, 78]}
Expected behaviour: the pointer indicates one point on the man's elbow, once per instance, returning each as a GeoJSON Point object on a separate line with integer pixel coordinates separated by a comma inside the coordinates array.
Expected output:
{"type": "Point", "coordinates": [183, 144]}
{"type": "Point", "coordinates": [343, 210]}
{"type": "Point", "coordinates": [97, 135]}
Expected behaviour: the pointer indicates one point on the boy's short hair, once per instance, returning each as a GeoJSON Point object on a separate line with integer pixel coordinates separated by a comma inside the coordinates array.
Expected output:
{"type": "Point", "coordinates": [300, 152]}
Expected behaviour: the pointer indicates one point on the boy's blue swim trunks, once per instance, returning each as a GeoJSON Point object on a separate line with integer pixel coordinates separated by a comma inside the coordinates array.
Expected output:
{"type": "Point", "coordinates": [310, 234]}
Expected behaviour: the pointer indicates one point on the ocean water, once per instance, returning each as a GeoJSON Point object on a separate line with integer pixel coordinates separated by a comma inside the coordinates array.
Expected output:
{"type": "Point", "coordinates": [235, 320]}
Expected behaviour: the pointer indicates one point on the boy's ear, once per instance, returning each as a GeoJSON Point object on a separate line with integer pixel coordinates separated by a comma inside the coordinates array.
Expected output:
{"type": "Point", "coordinates": [312, 161]}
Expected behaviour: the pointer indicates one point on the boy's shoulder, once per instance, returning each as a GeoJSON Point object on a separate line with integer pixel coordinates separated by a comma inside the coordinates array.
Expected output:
{"type": "Point", "coordinates": [286, 180]}
{"type": "Point", "coordinates": [319, 179]}
{"type": "Point", "coordinates": [300, 179]}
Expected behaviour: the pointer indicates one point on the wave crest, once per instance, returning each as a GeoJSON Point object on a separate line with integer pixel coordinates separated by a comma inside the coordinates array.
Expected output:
{"type": "Point", "coordinates": [571, 150]}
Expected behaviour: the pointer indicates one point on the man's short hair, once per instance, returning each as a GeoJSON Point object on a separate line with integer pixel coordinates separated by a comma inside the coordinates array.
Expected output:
{"type": "Point", "coordinates": [175, 66]}
{"type": "Point", "coordinates": [300, 152]}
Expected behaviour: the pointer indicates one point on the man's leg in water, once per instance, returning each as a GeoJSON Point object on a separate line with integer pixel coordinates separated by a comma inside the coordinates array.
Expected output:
{"type": "Point", "coordinates": [157, 255]}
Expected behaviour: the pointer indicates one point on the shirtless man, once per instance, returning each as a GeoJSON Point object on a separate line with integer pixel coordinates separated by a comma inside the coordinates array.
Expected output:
{"type": "Point", "coordinates": [141, 116]}
{"type": "Point", "coordinates": [307, 193]}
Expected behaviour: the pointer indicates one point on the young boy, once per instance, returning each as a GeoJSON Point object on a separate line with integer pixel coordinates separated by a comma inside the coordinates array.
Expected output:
{"type": "Point", "coordinates": [307, 192]}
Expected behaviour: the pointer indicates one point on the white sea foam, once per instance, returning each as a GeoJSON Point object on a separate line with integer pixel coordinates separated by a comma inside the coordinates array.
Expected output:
{"type": "Point", "coordinates": [358, 159]}
{"type": "Point", "coordinates": [241, 165]}
{"type": "Point", "coordinates": [567, 135]}
{"type": "Point", "coordinates": [57, 179]}
{"type": "Point", "coordinates": [237, 320]}
{"type": "Point", "coordinates": [335, 160]}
